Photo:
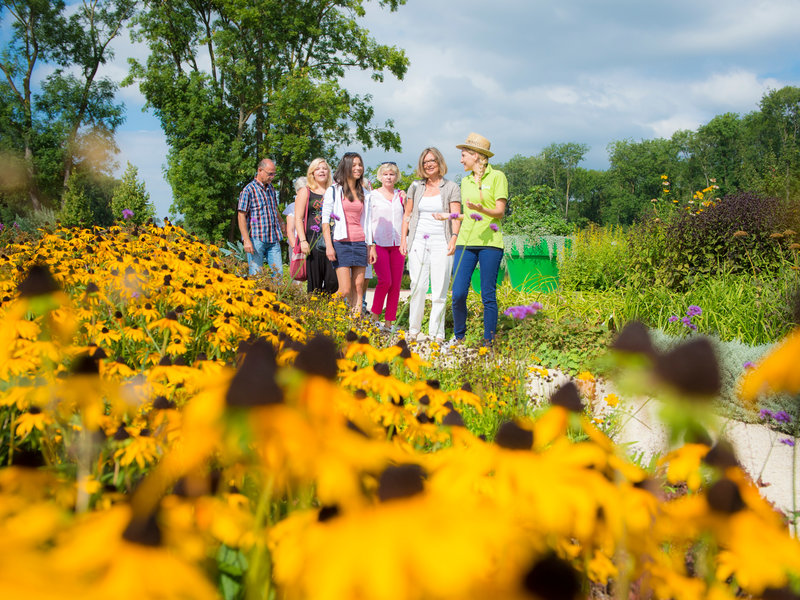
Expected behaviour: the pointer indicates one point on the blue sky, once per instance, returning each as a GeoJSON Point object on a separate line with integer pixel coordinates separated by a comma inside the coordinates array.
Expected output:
{"type": "Point", "coordinates": [526, 73]}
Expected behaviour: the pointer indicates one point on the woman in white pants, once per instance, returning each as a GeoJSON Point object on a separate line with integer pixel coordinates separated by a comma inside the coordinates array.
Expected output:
{"type": "Point", "coordinates": [428, 238]}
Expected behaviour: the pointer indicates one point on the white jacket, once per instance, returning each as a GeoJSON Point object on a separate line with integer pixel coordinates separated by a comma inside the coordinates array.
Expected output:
{"type": "Point", "coordinates": [332, 208]}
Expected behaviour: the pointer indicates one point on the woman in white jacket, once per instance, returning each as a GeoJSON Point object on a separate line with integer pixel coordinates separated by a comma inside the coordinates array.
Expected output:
{"type": "Point", "coordinates": [346, 247]}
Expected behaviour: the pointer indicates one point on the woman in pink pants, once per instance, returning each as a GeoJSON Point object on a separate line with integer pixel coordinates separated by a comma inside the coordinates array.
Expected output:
{"type": "Point", "coordinates": [386, 219]}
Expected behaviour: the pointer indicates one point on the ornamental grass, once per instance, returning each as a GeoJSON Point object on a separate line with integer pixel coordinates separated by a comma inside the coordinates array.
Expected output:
{"type": "Point", "coordinates": [171, 430]}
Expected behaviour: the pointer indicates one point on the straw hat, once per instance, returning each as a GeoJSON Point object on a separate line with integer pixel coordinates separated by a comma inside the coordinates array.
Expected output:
{"type": "Point", "coordinates": [477, 143]}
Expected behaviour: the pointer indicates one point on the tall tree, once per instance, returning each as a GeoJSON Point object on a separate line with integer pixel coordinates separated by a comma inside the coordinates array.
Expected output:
{"type": "Point", "coordinates": [562, 160]}
{"type": "Point", "coordinates": [235, 81]}
{"type": "Point", "coordinates": [778, 125]}
{"type": "Point", "coordinates": [74, 116]}
{"type": "Point", "coordinates": [34, 38]}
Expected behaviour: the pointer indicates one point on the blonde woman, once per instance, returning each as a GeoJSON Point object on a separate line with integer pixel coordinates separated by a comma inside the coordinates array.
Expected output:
{"type": "Point", "coordinates": [428, 238]}
{"type": "Point", "coordinates": [346, 247]}
{"type": "Point", "coordinates": [386, 219]}
{"type": "Point", "coordinates": [484, 193]}
{"type": "Point", "coordinates": [321, 276]}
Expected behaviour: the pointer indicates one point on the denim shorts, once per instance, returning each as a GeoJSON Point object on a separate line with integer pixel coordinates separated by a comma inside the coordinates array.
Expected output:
{"type": "Point", "coordinates": [350, 254]}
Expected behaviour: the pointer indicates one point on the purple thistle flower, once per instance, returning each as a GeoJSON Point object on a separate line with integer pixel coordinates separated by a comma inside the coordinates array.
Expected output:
{"type": "Point", "coordinates": [748, 365]}
{"type": "Point", "coordinates": [314, 228]}
{"type": "Point", "coordinates": [455, 215]}
{"type": "Point", "coordinates": [521, 312]}
{"type": "Point", "coordinates": [788, 442]}
{"type": "Point", "coordinates": [782, 417]}
{"type": "Point", "coordinates": [673, 318]}
{"type": "Point", "coordinates": [494, 227]}
{"type": "Point", "coordinates": [765, 414]}
{"type": "Point", "coordinates": [694, 311]}
{"type": "Point", "coordinates": [476, 216]}
{"type": "Point", "coordinates": [127, 213]}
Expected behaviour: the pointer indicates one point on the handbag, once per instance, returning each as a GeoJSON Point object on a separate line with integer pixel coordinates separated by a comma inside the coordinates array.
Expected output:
{"type": "Point", "coordinates": [297, 260]}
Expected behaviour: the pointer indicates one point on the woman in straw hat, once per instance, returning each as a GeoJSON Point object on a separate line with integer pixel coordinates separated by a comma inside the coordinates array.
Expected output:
{"type": "Point", "coordinates": [484, 193]}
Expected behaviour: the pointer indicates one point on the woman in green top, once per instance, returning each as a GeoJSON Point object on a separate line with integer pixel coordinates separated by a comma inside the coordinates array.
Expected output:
{"type": "Point", "coordinates": [484, 193]}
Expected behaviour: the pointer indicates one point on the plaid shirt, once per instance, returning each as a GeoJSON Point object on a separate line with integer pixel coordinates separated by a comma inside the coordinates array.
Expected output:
{"type": "Point", "coordinates": [261, 205]}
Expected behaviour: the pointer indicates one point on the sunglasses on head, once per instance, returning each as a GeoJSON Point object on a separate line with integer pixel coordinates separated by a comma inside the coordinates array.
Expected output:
{"type": "Point", "coordinates": [389, 162]}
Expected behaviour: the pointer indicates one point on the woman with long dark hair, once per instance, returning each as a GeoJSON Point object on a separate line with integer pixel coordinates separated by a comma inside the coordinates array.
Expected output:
{"type": "Point", "coordinates": [346, 246]}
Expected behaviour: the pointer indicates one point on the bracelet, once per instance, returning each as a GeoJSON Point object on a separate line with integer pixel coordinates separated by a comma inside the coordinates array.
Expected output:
{"type": "Point", "coordinates": [303, 241]}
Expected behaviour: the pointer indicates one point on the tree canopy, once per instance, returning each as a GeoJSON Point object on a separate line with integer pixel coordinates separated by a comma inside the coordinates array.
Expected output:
{"type": "Point", "coordinates": [70, 120]}
{"type": "Point", "coordinates": [233, 82]}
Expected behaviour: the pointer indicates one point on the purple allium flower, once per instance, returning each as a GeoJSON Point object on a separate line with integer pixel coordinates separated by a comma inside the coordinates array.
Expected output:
{"type": "Point", "coordinates": [788, 442]}
{"type": "Point", "coordinates": [455, 215]}
{"type": "Point", "coordinates": [476, 216]}
{"type": "Point", "coordinates": [694, 310]}
{"type": "Point", "coordinates": [673, 318]}
{"type": "Point", "coordinates": [520, 312]}
{"type": "Point", "coordinates": [782, 417]}
{"type": "Point", "coordinates": [748, 365]}
{"type": "Point", "coordinates": [494, 227]}
{"type": "Point", "coordinates": [426, 236]}
{"type": "Point", "coordinates": [765, 414]}
{"type": "Point", "coordinates": [314, 228]}
{"type": "Point", "coordinates": [127, 213]}
{"type": "Point", "coordinates": [335, 217]}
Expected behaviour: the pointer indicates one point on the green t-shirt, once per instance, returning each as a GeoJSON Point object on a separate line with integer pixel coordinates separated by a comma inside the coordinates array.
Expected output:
{"type": "Point", "coordinates": [494, 185]}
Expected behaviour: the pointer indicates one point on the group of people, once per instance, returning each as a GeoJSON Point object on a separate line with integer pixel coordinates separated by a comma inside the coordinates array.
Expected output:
{"type": "Point", "coordinates": [343, 226]}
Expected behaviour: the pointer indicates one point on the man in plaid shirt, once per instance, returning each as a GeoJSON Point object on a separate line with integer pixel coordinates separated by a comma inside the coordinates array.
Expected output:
{"type": "Point", "coordinates": [260, 221]}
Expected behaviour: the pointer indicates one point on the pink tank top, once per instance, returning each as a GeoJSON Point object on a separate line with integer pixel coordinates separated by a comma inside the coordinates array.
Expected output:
{"type": "Point", "coordinates": [352, 216]}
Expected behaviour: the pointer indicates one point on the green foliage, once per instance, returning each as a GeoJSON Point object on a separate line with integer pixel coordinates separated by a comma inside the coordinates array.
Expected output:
{"type": "Point", "coordinates": [77, 209]}
{"type": "Point", "coordinates": [741, 233]}
{"type": "Point", "coordinates": [272, 89]}
{"type": "Point", "coordinates": [71, 122]}
{"type": "Point", "coordinates": [535, 214]}
{"type": "Point", "coordinates": [735, 306]}
{"type": "Point", "coordinates": [597, 259]}
{"type": "Point", "coordinates": [132, 195]}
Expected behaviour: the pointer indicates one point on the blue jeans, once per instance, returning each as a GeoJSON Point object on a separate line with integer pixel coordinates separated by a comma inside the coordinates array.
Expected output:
{"type": "Point", "coordinates": [464, 262]}
{"type": "Point", "coordinates": [271, 251]}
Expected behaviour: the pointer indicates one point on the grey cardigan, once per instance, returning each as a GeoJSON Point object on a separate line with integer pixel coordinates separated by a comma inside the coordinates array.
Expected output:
{"type": "Point", "coordinates": [450, 193]}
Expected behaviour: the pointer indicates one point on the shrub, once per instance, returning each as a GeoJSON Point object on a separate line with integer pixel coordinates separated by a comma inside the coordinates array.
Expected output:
{"type": "Point", "coordinates": [742, 232]}
{"type": "Point", "coordinates": [131, 196]}
{"type": "Point", "coordinates": [596, 260]}
{"type": "Point", "coordinates": [534, 215]}
{"type": "Point", "coordinates": [76, 209]}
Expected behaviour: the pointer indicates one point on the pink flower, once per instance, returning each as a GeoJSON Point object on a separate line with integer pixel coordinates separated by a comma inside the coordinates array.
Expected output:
{"type": "Point", "coordinates": [494, 227]}
{"type": "Point", "coordinates": [476, 216]}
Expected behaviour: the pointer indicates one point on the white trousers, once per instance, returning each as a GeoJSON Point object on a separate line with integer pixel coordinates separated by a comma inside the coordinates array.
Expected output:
{"type": "Point", "coordinates": [428, 263]}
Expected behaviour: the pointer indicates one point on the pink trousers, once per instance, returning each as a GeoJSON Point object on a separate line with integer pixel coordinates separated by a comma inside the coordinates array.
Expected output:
{"type": "Point", "coordinates": [389, 269]}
